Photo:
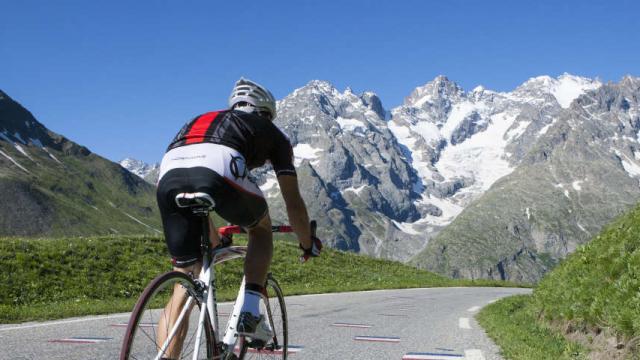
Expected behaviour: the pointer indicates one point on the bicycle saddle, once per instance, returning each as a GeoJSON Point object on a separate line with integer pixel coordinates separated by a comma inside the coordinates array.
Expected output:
{"type": "Point", "coordinates": [196, 201]}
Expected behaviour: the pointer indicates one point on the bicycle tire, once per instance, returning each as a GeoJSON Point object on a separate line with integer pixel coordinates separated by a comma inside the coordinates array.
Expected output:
{"type": "Point", "coordinates": [140, 340]}
{"type": "Point", "coordinates": [274, 308]}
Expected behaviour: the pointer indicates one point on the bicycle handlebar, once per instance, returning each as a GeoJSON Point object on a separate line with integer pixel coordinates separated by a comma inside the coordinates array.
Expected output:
{"type": "Point", "coordinates": [226, 235]}
{"type": "Point", "coordinates": [235, 229]}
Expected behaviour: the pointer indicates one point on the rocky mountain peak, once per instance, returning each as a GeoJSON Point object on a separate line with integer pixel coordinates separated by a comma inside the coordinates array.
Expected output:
{"type": "Point", "coordinates": [318, 86]}
{"type": "Point", "coordinates": [564, 89]}
{"type": "Point", "coordinates": [50, 185]}
{"type": "Point", "coordinates": [19, 126]}
{"type": "Point", "coordinates": [630, 82]}
{"type": "Point", "coordinates": [373, 102]}
{"type": "Point", "coordinates": [148, 172]}
{"type": "Point", "coordinates": [322, 95]}
{"type": "Point", "coordinates": [436, 91]}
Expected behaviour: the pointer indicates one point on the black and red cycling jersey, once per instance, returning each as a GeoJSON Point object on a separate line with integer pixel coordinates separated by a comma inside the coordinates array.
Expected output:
{"type": "Point", "coordinates": [255, 137]}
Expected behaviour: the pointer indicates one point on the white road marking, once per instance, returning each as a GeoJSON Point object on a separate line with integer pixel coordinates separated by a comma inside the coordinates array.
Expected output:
{"type": "Point", "coordinates": [362, 326]}
{"type": "Point", "coordinates": [464, 323]}
{"type": "Point", "coordinates": [124, 325]}
{"type": "Point", "coordinates": [473, 354]}
{"type": "Point", "coordinates": [492, 301]}
{"type": "Point", "coordinates": [290, 350]}
{"type": "Point", "coordinates": [81, 340]}
{"type": "Point", "coordinates": [21, 327]}
{"type": "Point", "coordinates": [377, 339]}
{"type": "Point", "coordinates": [395, 315]}
{"type": "Point", "coordinates": [473, 309]}
{"type": "Point", "coordinates": [431, 356]}
{"type": "Point", "coordinates": [91, 318]}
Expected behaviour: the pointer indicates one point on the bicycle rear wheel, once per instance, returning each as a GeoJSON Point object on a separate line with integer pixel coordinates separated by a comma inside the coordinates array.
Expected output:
{"type": "Point", "coordinates": [273, 308]}
{"type": "Point", "coordinates": [149, 320]}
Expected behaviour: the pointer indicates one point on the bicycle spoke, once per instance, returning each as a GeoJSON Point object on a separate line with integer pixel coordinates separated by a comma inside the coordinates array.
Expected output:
{"type": "Point", "coordinates": [155, 336]}
{"type": "Point", "coordinates": [175, 316]}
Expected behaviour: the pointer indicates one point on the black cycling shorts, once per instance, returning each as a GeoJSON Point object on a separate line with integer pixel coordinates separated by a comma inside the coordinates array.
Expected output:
{"type": "Point", "coordinates": [182, 229]}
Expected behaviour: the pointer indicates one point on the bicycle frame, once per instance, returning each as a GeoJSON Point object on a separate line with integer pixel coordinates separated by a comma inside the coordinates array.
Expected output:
{"type": "Point", "coordinates": [207, 278]}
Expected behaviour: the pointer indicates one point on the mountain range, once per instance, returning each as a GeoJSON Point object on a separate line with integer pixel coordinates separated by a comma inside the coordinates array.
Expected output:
{"type": "Point", "coordinates": [426, 182]}
{"type": "Point", "coordinates": [51, 186]}
{"type": "Point", "coordinates": [476, 184]}
{"type": "Point", "coordinates": [147, 172]}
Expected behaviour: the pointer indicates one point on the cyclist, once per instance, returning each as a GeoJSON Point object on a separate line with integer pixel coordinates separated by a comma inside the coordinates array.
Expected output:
{"type": "Point", "coordinates": [213, 153]}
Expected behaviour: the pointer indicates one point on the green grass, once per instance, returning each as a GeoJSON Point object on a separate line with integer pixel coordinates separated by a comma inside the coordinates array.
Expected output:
{"type": "Point", "coordinates": [512, 324]}
{"type": "Point", "coordinates": [596, 290]}
{"type": "Point", "coordinates": [599, 285]}
{"type": "Point", "coordinates": [55, 278]}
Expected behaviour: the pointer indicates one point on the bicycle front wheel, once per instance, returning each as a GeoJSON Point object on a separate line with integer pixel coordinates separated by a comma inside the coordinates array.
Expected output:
{"type": "Point", "coordinates": [273, 308]}
{"type": "Point", "coordinates": [164, 322]}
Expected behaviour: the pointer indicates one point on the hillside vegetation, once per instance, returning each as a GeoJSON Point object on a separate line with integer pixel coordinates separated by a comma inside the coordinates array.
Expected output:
{"type": "Point", "coordinates": [54, 278]}
{"type": "Point", "coordinates": [593, 297]}
{"type": "Point", "coordinates": [51, 186]}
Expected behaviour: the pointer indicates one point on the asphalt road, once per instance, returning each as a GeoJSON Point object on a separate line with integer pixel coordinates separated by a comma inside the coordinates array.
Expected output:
{"type": "Point", "coordinates": [434, 324]}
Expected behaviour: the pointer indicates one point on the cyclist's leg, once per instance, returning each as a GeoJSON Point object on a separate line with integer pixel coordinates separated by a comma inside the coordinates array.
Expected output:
{"type": "Point", "coordinates": [170, 315]}
{"type": "Point", "coordinates": [259, 252]}
{"type": "Point", "coordinates": [182, 232]}
{"type": "Point", "coordinates": [241, 202]}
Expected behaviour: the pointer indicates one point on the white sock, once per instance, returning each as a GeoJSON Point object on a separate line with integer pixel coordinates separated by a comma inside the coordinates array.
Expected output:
{"type": "Point", "coordinates": [251, 302]}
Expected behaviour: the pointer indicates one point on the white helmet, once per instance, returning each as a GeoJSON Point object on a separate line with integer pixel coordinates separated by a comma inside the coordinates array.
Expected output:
{"type": "Point", "coordinates": [247, 91]}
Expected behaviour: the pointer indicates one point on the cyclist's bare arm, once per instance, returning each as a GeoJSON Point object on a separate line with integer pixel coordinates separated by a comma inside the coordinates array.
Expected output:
{"type": "Point", "coordinates": [296, 209]}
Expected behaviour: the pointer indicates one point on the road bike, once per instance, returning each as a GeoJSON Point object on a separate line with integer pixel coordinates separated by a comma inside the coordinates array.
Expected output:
{"type": "Point", "coordinates": [196, 331]}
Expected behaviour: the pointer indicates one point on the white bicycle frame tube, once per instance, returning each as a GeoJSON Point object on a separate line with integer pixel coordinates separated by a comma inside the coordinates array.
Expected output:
{"type": "Point", "coordinates": [205, 277]}
{"type": "Point", "coordinates": [231, 334]}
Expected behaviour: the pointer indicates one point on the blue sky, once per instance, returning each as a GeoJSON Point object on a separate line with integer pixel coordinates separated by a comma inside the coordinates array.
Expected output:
{"type": "Point", "coordinates": [121, 77]}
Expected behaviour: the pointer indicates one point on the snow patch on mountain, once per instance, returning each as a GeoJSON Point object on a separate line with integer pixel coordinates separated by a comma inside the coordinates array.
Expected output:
{"type": "Point", "coordinates": [356, 190]}
{"type": "Point", "coordinates": [51, 155]}
{"type": "Point", "coordinates": [461, 143]}
{"type": "Point", "coordinates": [482, 157]}
{"type": "Point", "coordinates": [351, 124]}
{"type": "Point", "coordinates": [306, 152]}
{"type": "Point", "coordinates": [412, 170]}
{"type": "Point", "coordinates": [139, 168]}
{"type": "Point", "coordinates": [450, 210]}
{"type": "Point", "coordinates": [577, 185]}
{"type": "Point", "coordinates": [631, 168]}
{"type": "Point", "coordinates": [23, 151]}
{"type": "Point", "coordinates": [407, 228]}
{"type": "Point", "coordinates": [564, 89]}
{"type": "Point", "coordinates": [13, 161]}
{"type": "Point", "coordinates": [270, 185]}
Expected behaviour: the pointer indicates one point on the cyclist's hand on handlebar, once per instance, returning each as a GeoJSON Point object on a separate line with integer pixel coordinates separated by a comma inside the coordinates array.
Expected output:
{"type": "Point", "coordinates": [316, 244]}
{"type": "Point", "coordinates": [313, 251]}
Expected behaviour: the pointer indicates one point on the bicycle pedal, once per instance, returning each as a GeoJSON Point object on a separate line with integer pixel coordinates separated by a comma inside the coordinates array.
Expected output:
{"type": "Point", "coordinates": [256, 344]}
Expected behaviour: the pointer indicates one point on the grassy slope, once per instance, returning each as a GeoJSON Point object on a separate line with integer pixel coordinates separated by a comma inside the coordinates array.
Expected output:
{"type": "Point", "coordinates": [86, 195]}
{"type": "Point", "coordinates": [512, 324]}
{"type": "Point", "coordinates": [596, 288]}
{"type": "Point", "coordinates": [53, 278]}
